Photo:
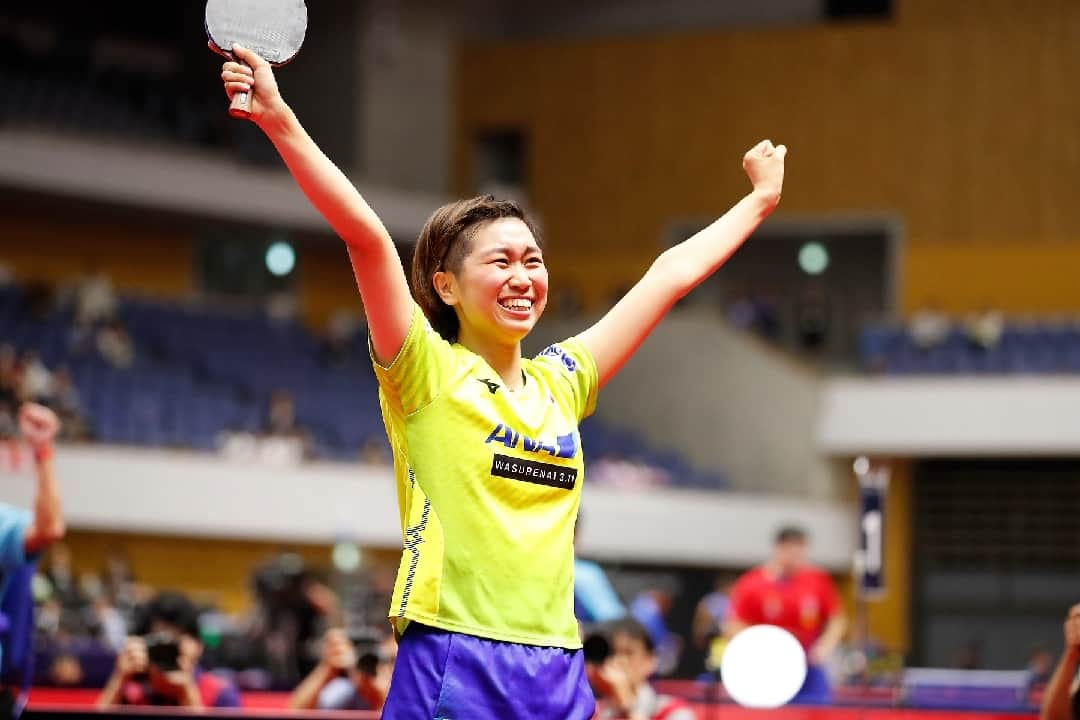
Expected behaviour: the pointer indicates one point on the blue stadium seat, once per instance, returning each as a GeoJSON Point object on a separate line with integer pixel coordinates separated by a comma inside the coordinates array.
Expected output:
{"type": "Point", "coordinates": [1024, 348]}
{"type": "Point", "coordinates": [200, 372]}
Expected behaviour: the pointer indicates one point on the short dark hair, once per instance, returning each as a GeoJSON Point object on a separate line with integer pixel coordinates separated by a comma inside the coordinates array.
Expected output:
{"type": "Point", "coordinates": [633, 629]}
{"type": "Point", "coordinates": [444, 242]}
{"type": "Point", "coordinates": [172, 607]}
{"type": "Point", "coordinates": [791, 533]}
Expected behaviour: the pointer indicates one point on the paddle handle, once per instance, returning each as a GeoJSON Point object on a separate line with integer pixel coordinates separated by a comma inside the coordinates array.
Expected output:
{"type": "Point", "coordinates": [241, 103]}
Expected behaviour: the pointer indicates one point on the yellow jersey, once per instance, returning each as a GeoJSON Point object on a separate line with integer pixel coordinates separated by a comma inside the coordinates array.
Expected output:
{"type": "Point", "coordinates": [488, 484]}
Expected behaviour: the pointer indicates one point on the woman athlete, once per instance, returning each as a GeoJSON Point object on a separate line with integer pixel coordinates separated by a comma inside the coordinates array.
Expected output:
{"type": "Point", "coordinates": [487, 454]}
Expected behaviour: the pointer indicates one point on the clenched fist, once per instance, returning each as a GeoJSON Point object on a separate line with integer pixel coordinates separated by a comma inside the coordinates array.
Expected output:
{"type": "Point", "coordinates": [337, 650]}
{"type": "Point", "coordinates": [38, 424]}
{"type": "Point", "coordinates": [764, 165]}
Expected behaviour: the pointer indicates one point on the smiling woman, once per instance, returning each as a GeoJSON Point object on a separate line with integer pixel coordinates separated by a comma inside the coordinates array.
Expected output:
{"type": "Point", "coordinates": [480, 259]}
{"type": "Point", "coordinates": [487, 453]}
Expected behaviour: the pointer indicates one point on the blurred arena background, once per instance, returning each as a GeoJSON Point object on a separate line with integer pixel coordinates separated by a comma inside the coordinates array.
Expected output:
{"type": "Point", "coordinates": [913, 303]}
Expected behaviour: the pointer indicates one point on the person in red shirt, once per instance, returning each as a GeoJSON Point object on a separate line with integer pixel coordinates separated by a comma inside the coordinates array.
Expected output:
{"type": "Point", "coordinates": [789, 592]}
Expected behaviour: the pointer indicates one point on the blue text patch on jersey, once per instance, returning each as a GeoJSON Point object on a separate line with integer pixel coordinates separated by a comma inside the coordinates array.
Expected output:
{"type": "Point", "coordinates": [564, 446]}
{"type": "Point", "coordinates": [557, 352]}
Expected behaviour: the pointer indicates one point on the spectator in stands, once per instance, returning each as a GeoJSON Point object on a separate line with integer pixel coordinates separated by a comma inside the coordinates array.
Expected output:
{"type": "Point", "coordinates": [651, 607]}
{"type": "Point", "coordinates": [119, 581]}
{"type": "Point", "coordinates": [159, 665]}
{"type": "Point", "coordinates": [985, 328]}
{"type": "Point", "coordinates": [281, 422]}
{"type": "Point", "coordinates": [1061, 700]}
{"type": "Point", "coordinates": [67, 404]}
{"type": "Point", "coordinates": [63, 585]}
{"type": "Point", "coordinates": [789, 592]}
{"type": "Point", "coordinates": [103, 620]}
{"type": "Point", "coordinates": [345, 678]}
{"type": "Point", "coordinates": [622, 680]}
{"type": "Point", "coordinates": [109, 622]}
{"type": "Point", "coordinates": [61, 577]}
{"type": "Point", "coordinates": [929, 327]}
{"type": "Point", "coordinates": [37, 380]}
{"type": "Point", "coordinates": [710, 614]}
{"type": "Point", "coordinates": [294, 607]}
{"type": "Point", "coordinates": [93, 303]}
{"type": "Point", "coordinates": [281, 415]}
{"type": "Point", "coordinates": [22, 536]}
{"type": "Point", "coordinates": [95, 299]}
{"type": "Point", "coordinates": [49, 614]}
{"type": "Point", "coordinates": [115, 345]}
{"type": "Point", "coordinates": [65, 670]}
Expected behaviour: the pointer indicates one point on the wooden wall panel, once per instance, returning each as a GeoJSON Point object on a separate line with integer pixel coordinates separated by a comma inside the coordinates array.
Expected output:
{"type": "Point", "coordinates": [139, 256]}
{"type": "Point", "coordinates": [214, 570]}
{"type": "Point", "coordinates": [957, 117]}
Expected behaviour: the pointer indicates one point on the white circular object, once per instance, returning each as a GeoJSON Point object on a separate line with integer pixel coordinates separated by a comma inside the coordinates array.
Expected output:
{"type": "Point", "coordinates": [862, 465]}
{"type": "Point", "coordinates": [763, 666]}
{"type": "Point", "coordinates": [346, 557]}
{"type": "Point", "coordinates": [813, 258]}
{"type": "Point", "coordinates": [280, 258]}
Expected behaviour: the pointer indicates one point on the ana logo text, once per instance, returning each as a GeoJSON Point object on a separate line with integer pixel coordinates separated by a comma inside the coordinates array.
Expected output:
{"type": "Point", "coordinates": [557, 352]}
{"type": "Point", "coordinates": [565, 446]}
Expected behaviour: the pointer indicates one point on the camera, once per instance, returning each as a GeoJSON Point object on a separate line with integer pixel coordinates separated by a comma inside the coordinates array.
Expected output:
{"type": "Point", "coordinates": [162, 651]}
{"type": "Point", "coordinates": [597, 648]}
{"type": "Point", "coordinates": [367, 663]}
{"type": "Point", "coordinates": [366, 647]}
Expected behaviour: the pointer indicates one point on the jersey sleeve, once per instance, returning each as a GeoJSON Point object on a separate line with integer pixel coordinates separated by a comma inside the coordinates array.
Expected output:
{"type": "Point", "coordinates": [420, 370]}
{"type": "Point", "coordinates": [13, 525]}
{"type": "Point", "coordinates": [576, 365]}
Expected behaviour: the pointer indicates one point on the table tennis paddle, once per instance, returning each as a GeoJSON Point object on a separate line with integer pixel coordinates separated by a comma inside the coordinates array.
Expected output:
{"type": "Point", "coordinates": [273, 29]}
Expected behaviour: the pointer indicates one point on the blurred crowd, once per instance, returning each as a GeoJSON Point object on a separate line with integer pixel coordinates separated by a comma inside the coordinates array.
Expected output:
{"type": "Point", "coordinates": [96, 329]}
{"type": "Point", "coordinates": [139, 644]}
{"type": "Point", "coordinates": [321, 636]}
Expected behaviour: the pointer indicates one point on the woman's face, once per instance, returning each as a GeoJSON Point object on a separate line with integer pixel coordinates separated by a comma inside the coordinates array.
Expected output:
{"type": "Point", "coordinates": [501, 288]}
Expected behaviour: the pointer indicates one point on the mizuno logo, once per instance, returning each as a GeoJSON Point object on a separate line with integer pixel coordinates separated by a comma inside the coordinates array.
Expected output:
{"type": "Point", "coordinates": [491, 386]}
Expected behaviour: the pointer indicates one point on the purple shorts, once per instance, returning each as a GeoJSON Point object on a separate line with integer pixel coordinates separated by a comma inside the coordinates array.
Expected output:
{"type": "Point", "coordinates": [442, 675]}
